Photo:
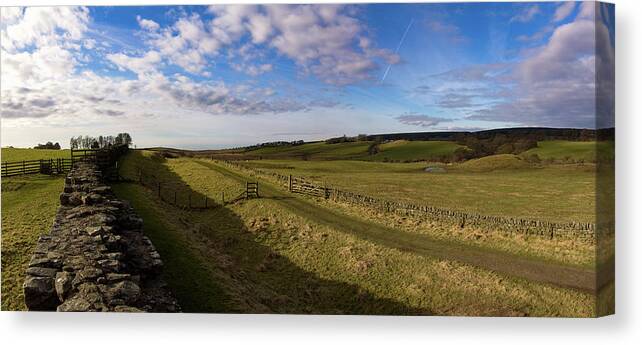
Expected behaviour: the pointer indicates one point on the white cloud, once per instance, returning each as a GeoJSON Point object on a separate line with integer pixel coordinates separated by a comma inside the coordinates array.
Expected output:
{"type": "Point", "coordinates": [147, 63]}
{"type": "Point", "coordinates": [322, 40]}
{"type": "Point", "coordinates": [147, 24]}
{"type": "Point", "coordinates": [260, 27]}
{"type": "Point", "coordinates": [557, 84]}
{"type": "Point", "coordinates": [44, 26]}
{"type": "Point", "coordinates": [563, 11]}
{"type": "Point", "coordinates": [526, 15]}
{"type": "Point", "coordinates": [414, 119]}
{"type": "Point", "coordinates": [252, 70]}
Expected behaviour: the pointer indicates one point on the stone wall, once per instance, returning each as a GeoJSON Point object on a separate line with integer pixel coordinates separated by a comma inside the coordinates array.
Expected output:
{"type": "Point", "coordinates": [96, 257]}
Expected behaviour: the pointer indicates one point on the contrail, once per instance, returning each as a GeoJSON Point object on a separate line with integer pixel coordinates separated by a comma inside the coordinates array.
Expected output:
{"type": "Point", "coordinates": [403, 37]}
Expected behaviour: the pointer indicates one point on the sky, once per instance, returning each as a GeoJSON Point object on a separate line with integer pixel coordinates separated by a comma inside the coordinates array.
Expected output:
{"type": "Point", "coordinates": [220, 76]}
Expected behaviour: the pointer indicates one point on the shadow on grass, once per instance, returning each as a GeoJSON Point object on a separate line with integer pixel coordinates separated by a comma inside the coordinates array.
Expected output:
{"type": "Point", "coordinates": [213, 263]}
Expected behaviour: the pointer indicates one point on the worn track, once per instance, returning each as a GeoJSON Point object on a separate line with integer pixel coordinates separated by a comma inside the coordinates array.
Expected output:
{"type": "Point", "coordinates": [522, 267]}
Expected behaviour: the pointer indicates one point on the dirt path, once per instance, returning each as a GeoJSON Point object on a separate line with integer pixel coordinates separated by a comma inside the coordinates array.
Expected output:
{"type": "Point", "coordinates": [527, 268]}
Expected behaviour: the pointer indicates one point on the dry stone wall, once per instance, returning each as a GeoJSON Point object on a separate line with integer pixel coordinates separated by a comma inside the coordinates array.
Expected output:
{"type": "Point", "coordinates": [96, 257]}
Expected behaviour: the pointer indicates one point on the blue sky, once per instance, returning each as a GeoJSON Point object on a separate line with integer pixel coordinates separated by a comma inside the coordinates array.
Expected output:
{"type": "Point", "coordinates": [224, 76]}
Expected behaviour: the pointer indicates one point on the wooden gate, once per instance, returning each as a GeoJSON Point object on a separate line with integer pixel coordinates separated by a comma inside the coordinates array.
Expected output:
{"type": "Point", "coordinates": [251, 190]}
{"type": "Point", "coordinates": [302, 186]}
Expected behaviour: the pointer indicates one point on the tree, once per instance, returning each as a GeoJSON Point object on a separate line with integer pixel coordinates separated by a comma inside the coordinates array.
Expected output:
{"type": "Point", "coordinates": [48, 146]}
{"type": "Point", "coordinates": [373, 148]}
{"type": "Point", "coordinates": [123, 139]}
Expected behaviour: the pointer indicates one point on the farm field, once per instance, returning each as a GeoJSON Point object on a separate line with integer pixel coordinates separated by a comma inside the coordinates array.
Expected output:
{"type": "Point", "coordinates": [576, 150]}
{"type": "Point", "coordinates": [399, 150]}
{"type": "Point", "coordinates": [403, 150]}
{"type": "Point", "coordinates": [19, 154]}
{"type": "Point", "coordinates": [561, 193]}
{"type": "Point", "coordinates": [284, 254]}
{"type": "Point", "coordinates": [29, 204]}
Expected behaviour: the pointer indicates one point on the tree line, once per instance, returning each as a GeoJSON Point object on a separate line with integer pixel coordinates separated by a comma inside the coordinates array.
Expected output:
{"type": "Point", "coordinates": [89, 142]}
{"type": "Point", "coordinates": [497, 144]}
{"type": "Point", "coordinates": [48, 146]}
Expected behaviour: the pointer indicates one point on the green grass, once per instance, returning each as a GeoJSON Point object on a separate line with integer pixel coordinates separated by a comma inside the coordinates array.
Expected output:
{"type": "Point", "coordinates": [266, 257]}
{"type": "Point", "coordinates": [400, 150]}
{"type": "Point", "coordinates": [403, 150]}
{"type": "Point", "coordinates": [493, 163]}
{"type": "Point", "coordinates": [557, 193]}
{"type": "Point", "coordinates": [28, 207]}
{"type": "Point", "coordinates": [17, 154]}
{"type": "Point", "coordinates": [575, 150]}
{"type": "Point", "coordinates": [184, 269]}
{"type": "Point", "coordinates": [316, 150]}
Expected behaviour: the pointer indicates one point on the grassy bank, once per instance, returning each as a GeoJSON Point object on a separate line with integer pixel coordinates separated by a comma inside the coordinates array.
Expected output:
{"type": "Point", "coordinates": [563, 150]}
{"type": "Point", "coordinates": [28, 208]}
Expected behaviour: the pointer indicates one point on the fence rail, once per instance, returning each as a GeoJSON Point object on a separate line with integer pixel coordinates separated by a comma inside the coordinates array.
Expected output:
{"type": "Point", "coordinates": [36, 166]}
{"type": "Point", "coordinates": [461, 219]}
{"type": "Point", "coordinates": [182, 196]}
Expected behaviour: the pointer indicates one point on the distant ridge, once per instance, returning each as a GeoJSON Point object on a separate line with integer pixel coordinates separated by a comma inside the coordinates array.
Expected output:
{"type": "Point", "coordinates": [545, 133]}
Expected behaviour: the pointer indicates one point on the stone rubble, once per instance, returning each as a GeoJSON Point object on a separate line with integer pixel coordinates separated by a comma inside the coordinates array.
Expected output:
{"type": "Point", "coordinates": [96, 257]}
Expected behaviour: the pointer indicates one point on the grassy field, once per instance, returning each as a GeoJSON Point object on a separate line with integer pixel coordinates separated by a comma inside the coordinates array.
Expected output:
{"type": "Point", "coordinates": [399, 150]}
{"type": "Point", "coordinates": [552, 192]}
{"type": "Point", "coordinates": [403, 150]}
{"type": "Point", "coordinates": [316, 150]}
{"type": "Point", "coordinates": [281, 254]}
{"type": "Point", "coordinates": [264, 256]}
{"type": "Point", "coordinates": [573, 150]}
{"type": "Point", "coordinates": [17, 154]}
{"type": "Point", "coordinates": [28, 207]}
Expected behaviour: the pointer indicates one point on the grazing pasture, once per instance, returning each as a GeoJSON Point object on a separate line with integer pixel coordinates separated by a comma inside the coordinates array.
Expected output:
{"type": "Point", "coordinates": [29, 204]}
{"type": "Point", "coordinates": [398, 150]}
{"type": "Point", "coordinates": [404, 150]}
{"type": "Point", "coordinates": [281, 253]}
{"type": "Point", "coordinates": [562, 193]}
{"type": "Point", "coordinates": [20, 154]}
{"type": "Point", "coordinates": [586, 151]}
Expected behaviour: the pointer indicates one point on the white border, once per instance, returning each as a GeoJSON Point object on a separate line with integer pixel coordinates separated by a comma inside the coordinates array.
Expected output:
{"type": "Point", "coordinates": [624, 327]}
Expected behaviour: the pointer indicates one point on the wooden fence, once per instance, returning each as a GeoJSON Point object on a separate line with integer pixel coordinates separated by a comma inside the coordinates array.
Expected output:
{"type": "Point", "coordinates": [182, 196]}
{"type": "Point", "coordinates": [303, 186]}
{"type": "Point", "coordinates": [461, 219]}
{"type": "Point", "coordinates": [106, 159]}
{"type": "Point", "coordinates": [37, 166]}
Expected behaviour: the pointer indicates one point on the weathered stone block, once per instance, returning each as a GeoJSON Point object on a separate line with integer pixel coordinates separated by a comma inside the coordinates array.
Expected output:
{"type": "Point", "coordinates": [125, 290]}
{"type": "Point", "coordinates": [40, 293]}
{"type": "Point", "coordinates": [62, 284]}
{"type": "Point", "coordinates": [92, 199]}
{"type": "Point", "coordinates": [42, 272]}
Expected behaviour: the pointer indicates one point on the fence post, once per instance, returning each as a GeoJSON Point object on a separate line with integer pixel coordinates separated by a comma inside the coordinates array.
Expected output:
{"type": "Point", "coordinates": [290, 183]}
{"type": "Point", "coordinates": [23, 167]}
